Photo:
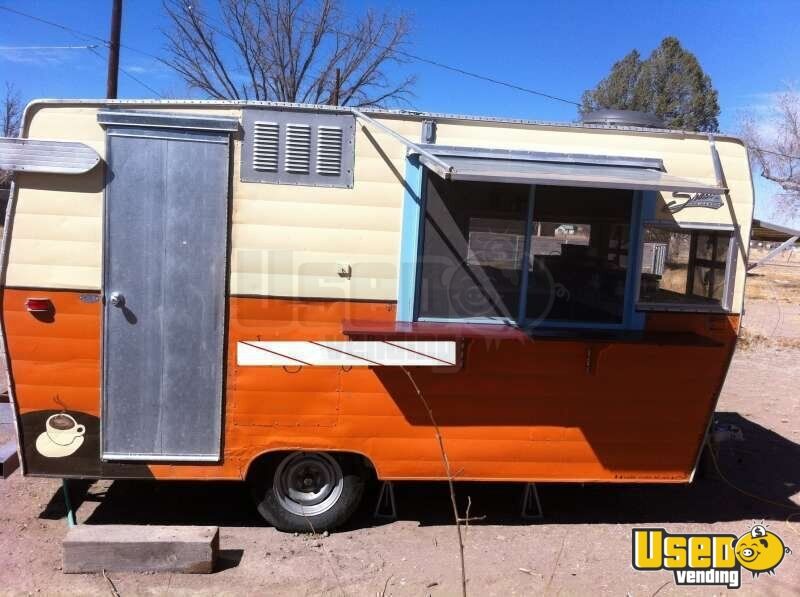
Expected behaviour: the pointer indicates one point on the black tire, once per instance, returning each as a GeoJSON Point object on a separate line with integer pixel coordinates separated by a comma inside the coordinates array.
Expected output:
{"type": "Point", "coordinates": [337, 483]}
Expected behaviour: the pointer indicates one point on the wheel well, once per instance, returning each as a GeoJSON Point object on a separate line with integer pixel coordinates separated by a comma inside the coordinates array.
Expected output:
{"type": "Point", "coordinates": [270, 459]}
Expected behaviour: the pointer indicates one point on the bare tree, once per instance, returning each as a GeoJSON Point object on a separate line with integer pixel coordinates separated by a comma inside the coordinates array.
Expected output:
{"type": "Point", "coordinates": [11, 116]}
{"type": "Point", "coordinates": [774, 144]}
{"type": "Point", "coordinates": [288, 50]}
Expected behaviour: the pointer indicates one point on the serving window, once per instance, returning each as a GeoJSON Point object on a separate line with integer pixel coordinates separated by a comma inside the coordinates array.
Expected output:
{"type": "Point", "coordinates": [578, 255]}
{"type": "Point", "coordinates": [472, 250]}
{"type": "Point", "coordinates": [509, 252]}
{"type": "Point", "coordinates": [686, 268]}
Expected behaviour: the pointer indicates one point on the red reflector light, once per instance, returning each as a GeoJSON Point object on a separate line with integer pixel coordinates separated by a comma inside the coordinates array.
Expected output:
{"type": "Point", "coordinates": [38, 305]}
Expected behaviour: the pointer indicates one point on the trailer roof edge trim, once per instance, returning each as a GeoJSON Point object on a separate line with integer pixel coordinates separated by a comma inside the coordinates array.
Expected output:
{"type": "Point", "coordinates": [377, 112]}
{"type": "Point", "coordinates": [604, 174]}
{"type": "Point", "coordinates": [167, 120]}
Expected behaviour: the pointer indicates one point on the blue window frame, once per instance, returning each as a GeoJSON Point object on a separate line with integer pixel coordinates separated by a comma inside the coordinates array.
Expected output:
{"type": "Point", "coordinates": [410, 241]}
{"type": "Point", "coordinates": [411, 258]}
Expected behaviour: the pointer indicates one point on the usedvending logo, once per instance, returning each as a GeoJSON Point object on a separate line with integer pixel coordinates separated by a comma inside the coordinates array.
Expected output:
{"type": "Point", "coordinates": [708, 559]}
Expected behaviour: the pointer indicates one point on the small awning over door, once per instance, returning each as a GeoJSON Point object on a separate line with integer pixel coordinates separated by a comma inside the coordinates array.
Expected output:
{"type": "Point", "coordinates": [572, 170]}
{"type": "Point", "coordinates": [58, 157]}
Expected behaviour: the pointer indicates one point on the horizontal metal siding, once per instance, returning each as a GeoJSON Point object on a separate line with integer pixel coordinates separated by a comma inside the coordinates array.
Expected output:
{"type": "Point", "coordinates": [49, 258]}
{"type": "Point", "coordinates": [614, 425]}
{"type": "Point", "coordinates": [288, 240]}
{"type": "Point", "coordinates": [57, 230]}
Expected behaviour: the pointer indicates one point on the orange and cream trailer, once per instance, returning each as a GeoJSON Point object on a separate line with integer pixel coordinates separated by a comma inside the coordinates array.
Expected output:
{"type": "Point", "coordinates": [274, 292]}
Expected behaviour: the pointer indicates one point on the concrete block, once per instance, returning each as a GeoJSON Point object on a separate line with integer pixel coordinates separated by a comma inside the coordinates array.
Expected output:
{"type": "Point", "coordinates": [140, 548]}
{"type": "Point", "coordinates": [9, 459]}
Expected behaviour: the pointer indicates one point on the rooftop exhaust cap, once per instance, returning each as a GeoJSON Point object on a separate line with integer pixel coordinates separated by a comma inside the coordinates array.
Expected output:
{"type": "Point", "coordinates": [634, 118]}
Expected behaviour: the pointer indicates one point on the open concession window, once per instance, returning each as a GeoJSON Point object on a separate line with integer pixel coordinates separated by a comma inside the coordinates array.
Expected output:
{"type": "Point", "coordinates": [540, 238]}
{"type": "Point", "coordinates": [578, 266]}
{"type": "Point", "coordinates": [502, 252]}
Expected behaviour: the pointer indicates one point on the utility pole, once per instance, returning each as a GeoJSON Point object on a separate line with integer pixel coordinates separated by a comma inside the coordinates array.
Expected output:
{"type": "Point", "coordinates": [113, 50]}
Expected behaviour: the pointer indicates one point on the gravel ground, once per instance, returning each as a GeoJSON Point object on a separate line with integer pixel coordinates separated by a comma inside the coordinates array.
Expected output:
{"type": "Point", "coordinates": [582, 545]}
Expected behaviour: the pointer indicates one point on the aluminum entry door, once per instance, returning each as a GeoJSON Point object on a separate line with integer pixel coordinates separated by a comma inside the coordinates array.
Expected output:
{"type": "Point", "coordinates": [166, 226]}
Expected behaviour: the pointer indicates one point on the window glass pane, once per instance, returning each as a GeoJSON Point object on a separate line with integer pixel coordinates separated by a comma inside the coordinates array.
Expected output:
{"type": "Point", "coordinates": [671, 275]}
{"type": "Point", "coordinates": [709, 273]}
{"type": "Point", "coordinates": [496, 243]}
{"type": "Point", "coordinates": [723, 244]}
{"type": "Point", "coordinates": [708, 282]}
{"type": "Point", "coordinates": [473, 243]}
{"type": "Point", "coordinates": [579, 254]}
{"type": "Point", "coordinates": [665, 266]}
{"type": "Point", "coordinates": [712, 246]}
{"type": "Point", "coordinates": [705, 246]}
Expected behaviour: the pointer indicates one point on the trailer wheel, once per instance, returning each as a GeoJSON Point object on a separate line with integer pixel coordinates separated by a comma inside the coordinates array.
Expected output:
{"type": "Point", "coordinates": [310, 491]}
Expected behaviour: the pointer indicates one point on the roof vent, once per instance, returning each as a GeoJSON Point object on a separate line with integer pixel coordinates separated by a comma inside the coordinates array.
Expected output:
{"type": "Point", "coordinates": [609, 117]}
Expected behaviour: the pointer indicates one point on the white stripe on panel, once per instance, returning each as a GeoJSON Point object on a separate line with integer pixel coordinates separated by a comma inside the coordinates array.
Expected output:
{"type": "Point", "coordinates": [412, 353]}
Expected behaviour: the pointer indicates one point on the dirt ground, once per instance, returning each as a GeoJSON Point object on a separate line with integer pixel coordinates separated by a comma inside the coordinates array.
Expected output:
{"type": "Point", "coordinates": [582, 545]}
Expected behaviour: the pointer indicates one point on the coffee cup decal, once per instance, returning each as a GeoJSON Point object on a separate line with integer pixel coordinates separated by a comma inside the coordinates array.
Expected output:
{"type": "Point", "coordinates": [62, 429]}
{"type": "Point", "coordinates": [62, 436]}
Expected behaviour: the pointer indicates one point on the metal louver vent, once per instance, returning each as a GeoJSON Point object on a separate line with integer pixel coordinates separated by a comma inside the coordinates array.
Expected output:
{"type": "Point", "coordinates": [298, 148]}
{"type": "Point", "coordinates": [314, 148]}
{"type": "Point", "coordinates": [266, 142]}
{"type": "Point", "coordinates": [329, 150]}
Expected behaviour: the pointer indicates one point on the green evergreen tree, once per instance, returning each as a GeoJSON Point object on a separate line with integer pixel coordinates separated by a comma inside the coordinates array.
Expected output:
{"type": "Point", "coordinates": [670, 83]}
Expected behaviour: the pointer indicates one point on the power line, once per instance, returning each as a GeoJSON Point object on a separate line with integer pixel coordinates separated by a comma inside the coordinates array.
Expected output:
{"type": "Point", "coordinates": [82, 34]}
{"type": "Point", "coordinates": [778, 153]}
{"type": "Point", "coordinates": [417, 58]}
{"type": "Point", "coordinates": [128, 74]}
{"type": "Point", "coordinates": [486, 78]}
{"type": "Point", "coordinates": [92, 48]}
{"type": "Point", "coordinates": [19, 48]}
{"type": "Point", "coordinates": [403, 53]}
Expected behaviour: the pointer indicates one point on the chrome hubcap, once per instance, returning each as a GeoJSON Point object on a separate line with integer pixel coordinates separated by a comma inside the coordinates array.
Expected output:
{"type": "Point", "coordinates": [308, 483]}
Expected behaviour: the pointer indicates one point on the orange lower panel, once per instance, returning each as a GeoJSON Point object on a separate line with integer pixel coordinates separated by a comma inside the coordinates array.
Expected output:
{"type": "Point", "coordinates": [513, 411]}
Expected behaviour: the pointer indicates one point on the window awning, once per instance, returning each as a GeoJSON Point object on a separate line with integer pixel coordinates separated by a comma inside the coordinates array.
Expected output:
{"type": "Point", "coordinates": [609, 172]}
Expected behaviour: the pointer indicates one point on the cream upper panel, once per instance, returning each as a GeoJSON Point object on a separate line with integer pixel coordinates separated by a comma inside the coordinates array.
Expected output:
{"type": "Point", "coordinates": [292, 240]}
{"type": "Point", "coordinates": [58, 223]}
{"type": "Point", "coordinates": [285, 240]}
{"type": "Point", "coordinates": [57, 229]}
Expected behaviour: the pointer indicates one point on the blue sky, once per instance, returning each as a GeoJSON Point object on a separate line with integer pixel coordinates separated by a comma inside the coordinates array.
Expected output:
{"type": "Point", "coordinates": [750, 49]}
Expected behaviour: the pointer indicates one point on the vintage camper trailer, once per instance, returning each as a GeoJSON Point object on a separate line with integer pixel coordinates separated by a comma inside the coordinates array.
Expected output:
{"type": "Point", "coordinates": [255, 291]}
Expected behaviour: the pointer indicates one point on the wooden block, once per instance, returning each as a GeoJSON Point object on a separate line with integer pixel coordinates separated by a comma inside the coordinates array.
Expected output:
{"type": "Point", "coordinates": [9, 459]}
{"type": "Point", "coordinates": [140, 548]}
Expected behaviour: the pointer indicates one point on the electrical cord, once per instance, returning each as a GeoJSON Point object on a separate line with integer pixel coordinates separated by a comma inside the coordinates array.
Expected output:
{"type": "Point", "coordinates": [754, 496]}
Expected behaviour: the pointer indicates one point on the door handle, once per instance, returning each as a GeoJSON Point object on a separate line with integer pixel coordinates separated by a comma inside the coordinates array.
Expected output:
{"type": "Point", "coordinates": [116, 299]}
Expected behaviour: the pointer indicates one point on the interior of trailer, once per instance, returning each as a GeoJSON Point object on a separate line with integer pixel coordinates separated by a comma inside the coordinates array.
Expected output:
{"type": "Point", "coordinates": [526, 254]}
{"type": "Point", "coordinates": [560, 256]}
